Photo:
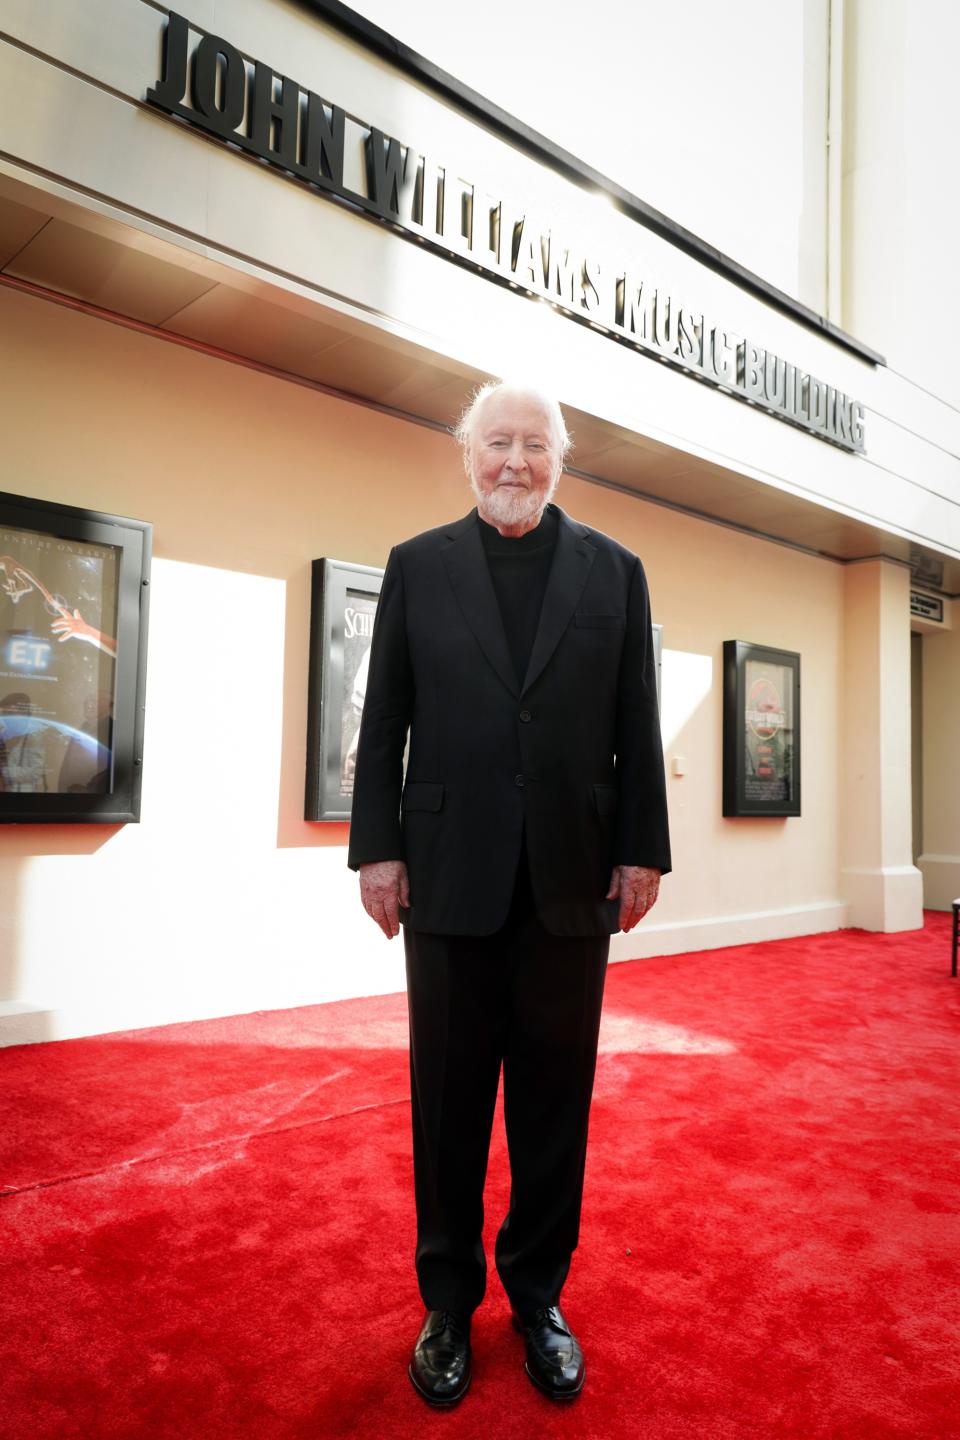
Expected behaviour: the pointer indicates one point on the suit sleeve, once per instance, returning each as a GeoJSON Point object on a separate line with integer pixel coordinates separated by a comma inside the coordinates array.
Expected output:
{"type": "Point", "coordinates": [643, 836]}
{"type": "Point", "coordinates": [388, 707]}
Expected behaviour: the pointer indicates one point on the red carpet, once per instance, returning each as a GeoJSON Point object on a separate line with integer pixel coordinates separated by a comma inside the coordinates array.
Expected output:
{"type": "Point", "coordinates": [206, 1230]}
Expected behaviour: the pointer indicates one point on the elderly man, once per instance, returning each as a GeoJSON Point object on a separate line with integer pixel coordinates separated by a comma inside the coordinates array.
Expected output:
{"type": "Point", "coordinates": [515, 647]}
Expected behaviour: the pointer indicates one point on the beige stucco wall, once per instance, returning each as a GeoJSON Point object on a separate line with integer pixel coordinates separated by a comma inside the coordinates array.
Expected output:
{"type": "Point", "coordinates": [223, 899]}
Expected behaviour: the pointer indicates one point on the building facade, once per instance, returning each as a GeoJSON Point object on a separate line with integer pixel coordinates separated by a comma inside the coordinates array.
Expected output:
{"type": "Point", "coordinates": [254, 257]}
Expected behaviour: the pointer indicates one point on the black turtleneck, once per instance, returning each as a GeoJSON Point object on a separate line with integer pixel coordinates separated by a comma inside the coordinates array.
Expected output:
{"type": "Point", "coordinates": [519, 566]}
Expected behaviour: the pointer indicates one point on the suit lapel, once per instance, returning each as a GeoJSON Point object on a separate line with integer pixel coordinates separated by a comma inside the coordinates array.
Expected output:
{"type": "Point", "coordinates": [572, 560]}
{"type": "Point", "coordinates": [469, 575]}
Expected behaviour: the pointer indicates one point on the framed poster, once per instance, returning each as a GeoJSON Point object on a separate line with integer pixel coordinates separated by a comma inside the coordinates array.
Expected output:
{"type": "Point", "coordinates": [343, 603]}
{"type": "Point", "coordinates": [761, 730]}
{"type": "Point", "coordinates": [73, 631]}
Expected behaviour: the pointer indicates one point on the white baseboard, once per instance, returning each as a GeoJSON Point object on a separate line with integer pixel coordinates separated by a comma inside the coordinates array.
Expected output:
{"type": "Point", "coordinates": [941, 880]}
{"type": "Point", "coordinates": [23, 1024]}
{"type": "Point", "coordinates": [716, 931]}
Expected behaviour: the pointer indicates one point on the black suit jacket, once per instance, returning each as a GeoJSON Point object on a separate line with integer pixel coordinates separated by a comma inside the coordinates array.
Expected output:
{"type": "Point", "coordinates": [573, 756]}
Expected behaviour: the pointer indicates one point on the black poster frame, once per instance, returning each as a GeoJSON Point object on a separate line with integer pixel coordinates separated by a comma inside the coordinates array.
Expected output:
{"type": "Point", "coordinates": [133, 539]}
{"type": "Point", "coordinates": [326, 798]}
{"type": "Point", "coordinates": [736, 760]}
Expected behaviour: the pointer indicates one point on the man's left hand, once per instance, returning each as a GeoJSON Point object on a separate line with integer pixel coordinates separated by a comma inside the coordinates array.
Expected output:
{"type": "Point", "coordinates": [637, 889]}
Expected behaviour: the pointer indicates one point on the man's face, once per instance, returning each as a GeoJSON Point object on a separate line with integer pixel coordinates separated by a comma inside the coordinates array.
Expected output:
{"type": "Point", "coordinates": [513, 460]}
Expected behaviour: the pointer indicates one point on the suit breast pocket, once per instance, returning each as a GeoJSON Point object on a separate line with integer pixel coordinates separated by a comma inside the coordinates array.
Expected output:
{"type": "Point", "coordinates": [583, 620]}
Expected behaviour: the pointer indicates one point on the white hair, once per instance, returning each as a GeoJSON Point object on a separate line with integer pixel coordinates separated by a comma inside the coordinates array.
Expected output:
{"type": "Point", "coordinates": [463, 430]}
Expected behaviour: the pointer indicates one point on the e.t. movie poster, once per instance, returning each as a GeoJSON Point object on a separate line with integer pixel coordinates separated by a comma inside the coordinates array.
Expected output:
{"type": "Point", "coordinates": [58, 626]}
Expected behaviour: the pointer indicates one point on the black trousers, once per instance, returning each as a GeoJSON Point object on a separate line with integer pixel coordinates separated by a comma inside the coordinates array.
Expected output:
{"type": "Point", "coordinates": [530, 1001]}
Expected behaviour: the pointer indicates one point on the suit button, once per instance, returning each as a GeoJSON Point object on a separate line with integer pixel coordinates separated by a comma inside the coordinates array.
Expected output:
{"type": "Point", "coordinates": [525, 716]}
{"type": "Point", "coordinates": [519, 780]}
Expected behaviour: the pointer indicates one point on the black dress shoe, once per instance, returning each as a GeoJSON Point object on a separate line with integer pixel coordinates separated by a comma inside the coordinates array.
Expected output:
{"type": "Point", "coordinates": [440, 1368]}
{"type": "Point", "coordinates": [554, 1358]}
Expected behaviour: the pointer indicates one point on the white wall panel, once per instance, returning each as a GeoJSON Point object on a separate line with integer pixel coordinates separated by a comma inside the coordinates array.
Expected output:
{"type": "Point", "coordinates": [714, 114]}
{"type": "Point", "coordinates": [901, 202]}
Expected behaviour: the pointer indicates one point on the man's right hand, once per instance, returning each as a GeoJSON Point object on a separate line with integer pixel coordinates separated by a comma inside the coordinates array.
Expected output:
{"type": "Point", "coordinates": [383, 888]}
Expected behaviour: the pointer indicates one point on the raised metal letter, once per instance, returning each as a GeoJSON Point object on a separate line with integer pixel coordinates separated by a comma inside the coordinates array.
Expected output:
{"type": "Point", "coordinates": [225, 116]}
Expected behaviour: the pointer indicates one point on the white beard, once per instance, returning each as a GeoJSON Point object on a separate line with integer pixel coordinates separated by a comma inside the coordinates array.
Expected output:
{"type": "Point", "coordinates": [513, 507]}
